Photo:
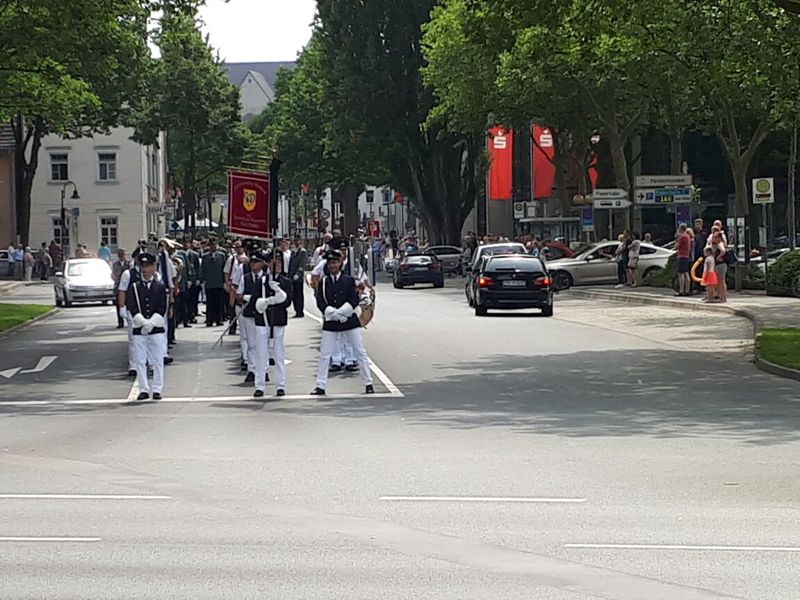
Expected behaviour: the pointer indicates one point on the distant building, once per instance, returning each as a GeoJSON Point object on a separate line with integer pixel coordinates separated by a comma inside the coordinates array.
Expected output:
{"type": "Point", "coordinates": [256, 83]}
{"type": "Point", "coordinates": [119, 181]}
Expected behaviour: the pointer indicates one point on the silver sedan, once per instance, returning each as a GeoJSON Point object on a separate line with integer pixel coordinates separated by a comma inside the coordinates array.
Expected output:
{"type": "Point", "coordinates": [84, 280]}
{"type": "Point", "coordinates": [596, 265]}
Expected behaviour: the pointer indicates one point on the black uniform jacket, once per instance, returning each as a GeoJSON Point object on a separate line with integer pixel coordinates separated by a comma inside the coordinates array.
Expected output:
{"type": "Point", "coordinates": [153, 300]}
{"type": "Point", "coordinates": [336, 294]}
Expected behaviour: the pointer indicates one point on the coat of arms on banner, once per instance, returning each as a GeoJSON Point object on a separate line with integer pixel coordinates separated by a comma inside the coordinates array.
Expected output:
{"type": "Point", "coordinates": [249, 199]}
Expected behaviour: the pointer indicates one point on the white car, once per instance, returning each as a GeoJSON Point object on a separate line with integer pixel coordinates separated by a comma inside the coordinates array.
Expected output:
{"type": "Point", "coordinates": [84, 280]}
{"type": "Point", "coordinates": [596, 265]}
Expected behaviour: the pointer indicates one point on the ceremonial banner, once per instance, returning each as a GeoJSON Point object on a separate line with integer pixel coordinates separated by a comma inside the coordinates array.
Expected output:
{"type": "Point", "coordinates": [248, 203]}
{"type": "Point", "coordinates": [501, 165]}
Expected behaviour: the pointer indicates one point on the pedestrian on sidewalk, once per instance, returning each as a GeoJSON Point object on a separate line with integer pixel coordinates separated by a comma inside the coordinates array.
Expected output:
{"type": "Point", "coordinates": [104, 252]}
{"type": "Point", "coordinates": [683, 249]}
{"type": "Point", "coordinates": [621, 256]}
{"type": "Point", "coordinates": [28, 261]}
{"type": "Point", "coordinates": [634, 248]}
{"type": "Point", "coordinates": [720, 251]}
{"type": "Point", "coordinates": [709, 276]}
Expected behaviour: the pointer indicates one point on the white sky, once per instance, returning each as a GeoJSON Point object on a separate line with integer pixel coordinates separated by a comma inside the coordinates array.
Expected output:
{"type": "Point", "coordinates": [258, 30]}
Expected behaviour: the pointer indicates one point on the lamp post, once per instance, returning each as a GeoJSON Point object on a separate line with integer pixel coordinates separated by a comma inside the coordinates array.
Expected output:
{"type": "Point", "coordinates": [74, 196]}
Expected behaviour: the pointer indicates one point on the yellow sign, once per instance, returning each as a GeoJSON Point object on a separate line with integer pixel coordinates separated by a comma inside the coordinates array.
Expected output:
{"type": "Point", "coordinates": [249, 200]}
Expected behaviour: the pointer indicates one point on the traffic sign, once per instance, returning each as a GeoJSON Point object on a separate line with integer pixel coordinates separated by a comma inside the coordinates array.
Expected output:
{"type": "Point", "coordinates": [324, 213]}
{"type": "Point", "coordinates": [659, 181]}
{"type": "Point", "coordinates": [764, 190]}
{"type": "Point", "coordinates": [587, 219]}
{"type": "Point", "coordinates": [610, 194]}
{"type": "Point", "coordinates": [674, 195]}
{"type": "Point", "coordinates": [612, 204]}
{"type": "Point", "coordinates": [519, 210]}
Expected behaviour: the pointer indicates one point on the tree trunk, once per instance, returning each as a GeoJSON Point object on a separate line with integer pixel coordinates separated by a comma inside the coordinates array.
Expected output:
{"type": "Point", "coordinates": [676, 151]}
{"type": "Point", "coordinates": [27, 143]}
{"type": "Point", "coordinates": [620, 165]}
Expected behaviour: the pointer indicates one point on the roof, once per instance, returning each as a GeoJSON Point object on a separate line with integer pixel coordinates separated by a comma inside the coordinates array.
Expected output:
{"type": "Point", "coordinates": [268, 70]}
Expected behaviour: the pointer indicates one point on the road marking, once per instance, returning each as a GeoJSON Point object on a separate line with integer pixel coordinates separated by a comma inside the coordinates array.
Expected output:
{"type": "Point", "coordinates": [80, 540]}
{"type": "Point", "coordinates": [393, 389]}
{"type": "Point", "coordinates": [9, 373]}
{"type": "Point", "coordinates": [43, 363]}
{"type": "Point", "coordinates": [189, 400]}
{"type": "Point", "coordinates": [498, 499]}
{"type": "Point", "coordinates": [134, 393]}
{"type": "Point", "coordinates": [683, 547]}
{"type": "Point", "coordinates": [81, 497]}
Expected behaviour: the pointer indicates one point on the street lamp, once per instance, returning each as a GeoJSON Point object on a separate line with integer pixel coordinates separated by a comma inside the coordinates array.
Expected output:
{"type": "Point", "coordinates": [75, 196]}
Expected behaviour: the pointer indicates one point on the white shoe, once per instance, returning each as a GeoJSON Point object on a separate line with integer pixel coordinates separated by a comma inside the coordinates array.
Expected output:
{"type": "Point", "coordinates": [619, 286]}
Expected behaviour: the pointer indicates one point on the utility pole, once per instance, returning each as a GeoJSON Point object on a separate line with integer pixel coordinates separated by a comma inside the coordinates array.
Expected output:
{"type": "Point", "coordinates": [791, 210]}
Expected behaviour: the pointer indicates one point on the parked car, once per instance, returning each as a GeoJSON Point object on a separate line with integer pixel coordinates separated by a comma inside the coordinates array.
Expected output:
{"type": "Point", "coordinates": [419, 268]}
{"type": "Point", "coordinates": [557, 251]}
{"type": "Point", "coordinates": [84, 280]}
{"type": "Point", "coordinates": [450, 257]}
{"type": "Point", "coordinates": [597, 265]}
{"type": "Point", "coordinates": [513, 281]}
{"type": "Point", "coordinates": [772, 258]}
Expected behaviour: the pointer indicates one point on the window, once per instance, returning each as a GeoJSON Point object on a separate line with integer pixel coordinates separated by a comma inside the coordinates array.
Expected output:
{"type": "Point", "coordinates": [59, 166]}
{"type": "Point", "coordinates": [108, 231]}
{"type": "Point", "coordinates": [107, 162]}
{"type": "Point", "coordinates": [523, 264]}
{"type": "Point", "coordinates": [60, 234]}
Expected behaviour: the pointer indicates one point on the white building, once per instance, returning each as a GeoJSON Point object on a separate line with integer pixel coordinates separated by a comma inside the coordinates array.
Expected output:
{"type": "Point", "coordinates": [116, 178]}
{"type": "Point", "coordinates": [256, 83]}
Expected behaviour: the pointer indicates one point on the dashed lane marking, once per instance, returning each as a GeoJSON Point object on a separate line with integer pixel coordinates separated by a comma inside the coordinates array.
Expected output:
{"type": "Point", "coordinates": [683, 547]}
{"type": "Point", "coordinates": [492, 499]}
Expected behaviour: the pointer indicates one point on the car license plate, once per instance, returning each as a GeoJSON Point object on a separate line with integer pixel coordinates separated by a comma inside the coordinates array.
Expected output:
{"type": "Point", "coordinates": [420, 268]}
{"type": "Point", "coordinates": [515, 283]}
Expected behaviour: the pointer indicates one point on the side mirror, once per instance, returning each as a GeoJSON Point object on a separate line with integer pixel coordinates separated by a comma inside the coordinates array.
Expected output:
{"type": "Point", "coordinates": [59, 274]}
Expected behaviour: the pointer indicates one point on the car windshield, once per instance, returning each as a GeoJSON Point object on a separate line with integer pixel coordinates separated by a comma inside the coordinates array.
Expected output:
{"type": "Point", "coordinates": [508, 249]}
{"type": "Point", "coordinates": [445, 250]}
{"type": "Point", "coordinates": [95, 268]}
{"type": "Point", "coordinates": [514, 263]}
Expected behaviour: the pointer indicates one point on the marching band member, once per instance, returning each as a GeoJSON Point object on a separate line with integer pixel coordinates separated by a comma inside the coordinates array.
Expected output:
{"type": "Point", "coordinates": [258, 293]}
{"type": "Point", "coordinates": [241, 270]}
{"type": "Point", "coordinates": [337, 298]}
{"type": "Point", "coordinates": [146, 301]}
{"type": "Point", "coordinates": [278, 318]}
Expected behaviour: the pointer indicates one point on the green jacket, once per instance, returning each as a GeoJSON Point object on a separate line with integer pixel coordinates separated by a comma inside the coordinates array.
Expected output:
{"type": "Point", "coordinates": [212, 269]}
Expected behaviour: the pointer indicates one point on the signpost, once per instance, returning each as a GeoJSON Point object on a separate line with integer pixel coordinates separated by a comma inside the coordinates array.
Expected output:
{"type": "Point", "coordinates": [519, 210]}
{"type": "Point", "coordinates": [663, 181]}
{"type": "Point", "coordinates": [663, 196]}
{"type": "Point", "coordinates": [683, 214]}
{"type": "Point", "coordinates": [763, 194]}
{"type": "Point", "coordinates": [610, 194]}
{"type": "Point", "coordinates": [610, 205]}
{"type": "Point", "coordinates": [587, 219]}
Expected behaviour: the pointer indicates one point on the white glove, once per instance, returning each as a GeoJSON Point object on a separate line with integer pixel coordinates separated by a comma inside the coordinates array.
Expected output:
{"type": "Point", "coordinates": [246, 298]}
{"type": "Point", "coordinates": [274, 285]}
{"type": "Point", "coordinates": [138, 321]}
{"type": "Point", "coordinates": [342, 318]}
{"type": "Point", "coordinates": [346, 310]}
{"type": "Point", "coordinates": [366, 300]}
{"type": "Point", "coordinates": [123, 313]}
{"type": "Point", "coordinates": [280, 295]}
{"type": "Point", "coordinates": [331, 314]}
{"type": "Point", "coordinates": [147, 328]}
{"type": "Point", "coordinates": [157, 320]}
{"type": "Point", "coordinates": [262, 304]}
{"type": "Point", "coordinates": [296, 277]}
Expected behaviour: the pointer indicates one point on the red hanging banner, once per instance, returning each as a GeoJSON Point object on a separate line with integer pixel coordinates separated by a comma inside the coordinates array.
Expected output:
{"type": "Point", "coordinates": [501, 165]}
{"type": "Point", "coordinates": [248, 203]}
{"type": "Point", "coordinates": [544, 171]}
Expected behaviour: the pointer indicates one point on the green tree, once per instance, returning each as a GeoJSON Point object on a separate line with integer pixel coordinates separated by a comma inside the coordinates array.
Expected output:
{"type": "Point", "coordinates": [372, 61]}
{"type": "Point", "coordinates": [71, 72]}
{"type": "Point", "coordinates": [191, 98]}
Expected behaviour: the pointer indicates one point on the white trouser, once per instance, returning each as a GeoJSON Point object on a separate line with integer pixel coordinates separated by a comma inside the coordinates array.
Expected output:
{"type": "Point", "coordinates": [278, 352]}
{"type": "Point", "coordinates": [257, 351]}
{"type": "Point", "coordinates": [348, 354]}
{"type": "Point", "coordinates": [131, 359]}
{"type": "Point", "coordinates": [149, 349]}
{"type": "Point", "coordinates": [242, 335]}
{"type": "Point", "coordinates": [354, 337]}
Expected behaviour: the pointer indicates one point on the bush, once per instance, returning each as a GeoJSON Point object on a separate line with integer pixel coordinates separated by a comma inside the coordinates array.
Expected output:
{"type": "Point", "coordinates": [783, 273]}
{"type": "Point", "coordinates": [752, 277]}
{"type": "Point", "coordinates": [663, 278]}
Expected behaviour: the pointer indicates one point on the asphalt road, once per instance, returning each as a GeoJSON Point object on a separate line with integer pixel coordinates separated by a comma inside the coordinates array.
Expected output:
{"type": "Point", "coordinates": [609, 452]}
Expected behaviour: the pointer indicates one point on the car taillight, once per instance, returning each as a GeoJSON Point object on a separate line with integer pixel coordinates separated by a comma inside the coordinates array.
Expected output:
{"type": "Point", "coordinates": [404, 267]}
{"type": "Point", "coordinates": [544, 281]}
{"type": "Point", "coordinates": [437, 266]}
{"type": "Point", "coordinates": [484, 281]}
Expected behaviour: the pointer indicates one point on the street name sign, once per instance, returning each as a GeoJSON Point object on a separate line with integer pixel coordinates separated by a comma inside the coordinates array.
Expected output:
{"type": "Point", "coordinates": [611, 204]}
{"type": "Point", "coordinates": [610, 194]}
{"type": "Point", "coordinates": [659, 181]}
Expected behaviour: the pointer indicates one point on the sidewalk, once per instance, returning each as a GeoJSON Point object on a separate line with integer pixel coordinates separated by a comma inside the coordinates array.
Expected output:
{"type": "Point", "coordinates": [762, 310]}
{"type": "Point", "coordinates": [9, 286]}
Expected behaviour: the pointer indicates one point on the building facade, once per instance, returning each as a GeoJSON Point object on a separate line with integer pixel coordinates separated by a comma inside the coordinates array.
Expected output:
{"type": "Point", "coordinates": [8, 225]}
{"type": "Point", "coordinates": [256, 83]}
{"type": "Point", "coordinates": [120, 183]}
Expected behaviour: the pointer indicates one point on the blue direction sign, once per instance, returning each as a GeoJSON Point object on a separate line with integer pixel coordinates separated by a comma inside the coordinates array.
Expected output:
{"type": "Point", "coordinates": [676, 195]}
{"type": "Point", "coordinates": [587, 218]}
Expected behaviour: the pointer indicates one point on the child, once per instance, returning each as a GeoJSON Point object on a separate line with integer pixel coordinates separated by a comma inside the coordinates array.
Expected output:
{"type": "Point", "coordinates": [710, 279]}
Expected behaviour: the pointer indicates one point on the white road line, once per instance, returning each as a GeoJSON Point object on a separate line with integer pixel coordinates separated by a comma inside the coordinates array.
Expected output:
{"type": "Point", "coordinates": [393, 389]}
{"type": "Point", "coordinates": [134, 393]}
{"type": "Point", "coordinates": [189, 400]}
{"type": "Point", "coordinates": [43, 363]}
{"type": "Point", "coordinates": [497, 499]}
{"type": "Point", "coordinates": [81, 497]}
{"type": "Point", "coordinates": [69, 540]}
{"type": "Point", "coordinates": [683, 547]}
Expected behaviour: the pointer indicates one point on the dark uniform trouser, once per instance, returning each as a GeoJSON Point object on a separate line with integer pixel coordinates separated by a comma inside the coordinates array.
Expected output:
{"type": "Point", "coordinates": [298, 300]}
{"type": "Point", "coordinates": [120, 321]}
{"type": "Point", "coordinates": [214, 305]}
{"type": "Point", "coordinates": [193, 297]}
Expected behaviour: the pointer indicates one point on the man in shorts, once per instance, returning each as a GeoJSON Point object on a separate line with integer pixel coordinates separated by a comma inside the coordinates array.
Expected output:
{"type": "Point", "coordinates": [683, 249]}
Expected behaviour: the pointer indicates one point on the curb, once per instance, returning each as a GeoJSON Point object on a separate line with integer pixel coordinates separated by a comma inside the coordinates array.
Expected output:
{"type": "Point", "coordinates": [9, 288]}
{"type": "Point", "coordinates": [773, 369]}
{"type": "Point", "coordinates": [29, 323]}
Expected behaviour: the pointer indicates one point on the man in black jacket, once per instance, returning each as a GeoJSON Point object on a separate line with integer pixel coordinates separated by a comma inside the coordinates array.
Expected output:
{"type": "Point", "coordinates": [146, 301]}
{"type": "Point", "coordinates": [277, 318]}
{"type": "Point", "coordinates": [337, 299]}
{"type": "Point", "coordinates": [297, 267]}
